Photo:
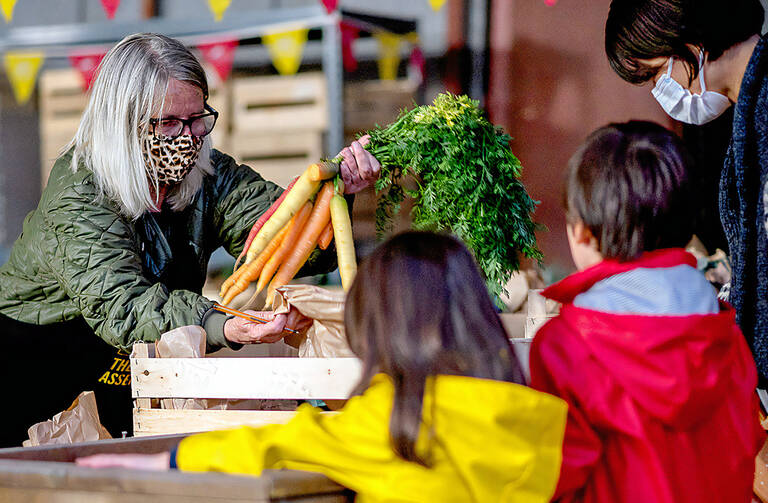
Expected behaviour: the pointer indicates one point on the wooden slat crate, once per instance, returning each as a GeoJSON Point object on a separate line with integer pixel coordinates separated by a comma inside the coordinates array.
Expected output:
{"type": "Point", "coordinates": [372, 102]}
{"type": "Point", "coordinates": [230, 378]}
{"type": "Point", "coordinates": [47, 473]}
{"type": "Point", "coordinates": [62, 103]}
{"type": "Point", "coordinates": [278, 123]}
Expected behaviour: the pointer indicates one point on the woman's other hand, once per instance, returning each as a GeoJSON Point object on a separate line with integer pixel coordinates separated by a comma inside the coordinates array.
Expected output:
{"type": "Point", "coordinates": [154, 462]}
{"type": "Point", "coordinates": [360, 168]}
{"type": "Point", "coordinates": [242, 331]}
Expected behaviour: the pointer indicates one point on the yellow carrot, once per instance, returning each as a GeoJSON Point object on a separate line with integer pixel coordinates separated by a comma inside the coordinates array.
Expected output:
{"type": "Point", "coordinates": [323, 170]}
{"type": "Point", "coordinates": [306, 242]}
{"type": "Point", "coordinates": [345, 243]}
{"type": "Point", "coordinates": [325, 238]}
{"type": "Point", "coordinates": [299, 219]}
{"type": "Point", "coordinates": [253, 269]}
{"type": "Point", "coordinates": [301, 192]}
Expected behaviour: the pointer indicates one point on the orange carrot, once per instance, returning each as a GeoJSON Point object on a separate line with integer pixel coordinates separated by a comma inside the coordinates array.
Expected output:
{"type": "Point", "coordinates": [321, 215]}
{"type": "Point", "coordinates": [325, 238]}
{"type": "Point", "coordinates": [230, 281]}
{"type": "Point", "coordinates": [260, 222]}
{"type": "Point", "coordinates": [299, 219]}
{"type": "Point", "coordinates": [253, 269]}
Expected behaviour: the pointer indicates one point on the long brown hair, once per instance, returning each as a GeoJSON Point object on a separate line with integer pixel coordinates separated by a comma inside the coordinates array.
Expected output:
{"type": "Point", "coordinates": [419, 308]}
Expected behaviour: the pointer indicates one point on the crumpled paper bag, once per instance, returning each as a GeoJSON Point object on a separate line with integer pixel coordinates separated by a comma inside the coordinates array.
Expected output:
{"type": "Point", "coordinates": [182, 342]}
{"type": "Point", "coordinates": [79, 423]}
{"type": "Point", "coordinates": [325, 338]}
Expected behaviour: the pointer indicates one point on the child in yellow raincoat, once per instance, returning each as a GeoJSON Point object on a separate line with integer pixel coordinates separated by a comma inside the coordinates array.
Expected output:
{"type": "Point", "coordinates": [441, 414]}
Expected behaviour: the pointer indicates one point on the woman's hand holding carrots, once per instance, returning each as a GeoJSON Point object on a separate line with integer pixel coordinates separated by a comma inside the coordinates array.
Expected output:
{"type": "Point", "coordinates": [242, 331]}
{"type": "Point", "coordinates": [359, 169]}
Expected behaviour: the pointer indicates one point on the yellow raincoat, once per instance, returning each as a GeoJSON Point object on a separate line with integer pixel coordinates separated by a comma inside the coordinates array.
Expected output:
{"type": "Point", "coordinates": [493, 441]}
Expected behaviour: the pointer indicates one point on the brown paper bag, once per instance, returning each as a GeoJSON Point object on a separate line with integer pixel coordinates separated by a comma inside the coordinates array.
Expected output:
{"type": "Point", "coordinates": [325, 338]}
{"type": "Point", "coordinates": [182, 342]}
{"type": "Point", "coordinates": [79, 423]}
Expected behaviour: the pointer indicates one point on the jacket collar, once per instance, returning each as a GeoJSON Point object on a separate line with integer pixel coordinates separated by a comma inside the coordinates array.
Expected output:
{"type": "Point", "coordinates": [566, 290]}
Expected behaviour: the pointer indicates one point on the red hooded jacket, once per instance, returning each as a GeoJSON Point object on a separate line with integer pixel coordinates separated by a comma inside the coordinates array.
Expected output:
{"type": "Point", "coordinates": [662, 408]}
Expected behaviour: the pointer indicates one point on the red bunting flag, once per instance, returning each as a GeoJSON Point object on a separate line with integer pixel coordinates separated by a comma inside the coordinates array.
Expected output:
{"type": "Point", "coordinates": [550, 2]}
{"type": "Point", "coordinates": [349, 33]}
{"type": "Point", "coordinates": [330, 5]}
{"type": "Point", "coordinates": [220, 54]}
{"type": "Point", "coordinates": [87, 64]}
{"type": "Point", "coordinates": [110, 6]}
{"type": "Point", "coordinates": [417, 64]}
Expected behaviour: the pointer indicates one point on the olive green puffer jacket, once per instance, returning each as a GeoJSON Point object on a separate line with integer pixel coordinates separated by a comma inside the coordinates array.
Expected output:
{"type": "Point", "coordinates": [130, 280]}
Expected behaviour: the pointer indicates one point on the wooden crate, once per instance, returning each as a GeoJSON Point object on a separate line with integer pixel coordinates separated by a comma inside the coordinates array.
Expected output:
{"type": "Point", "coordinates": [372, 102]}
{"type": "Point", "coordinates": [230, 378]}
{"type": "Point", "coordinates": [46, 473]}
{"type": "Point", "coordinates": [62, 103]}
{"type": "Point", "coordinates": [278, 123]}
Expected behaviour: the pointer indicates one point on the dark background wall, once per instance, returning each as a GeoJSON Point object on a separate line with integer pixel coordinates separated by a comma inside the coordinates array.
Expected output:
{"type": "Point", "coordinates": [550, 85]}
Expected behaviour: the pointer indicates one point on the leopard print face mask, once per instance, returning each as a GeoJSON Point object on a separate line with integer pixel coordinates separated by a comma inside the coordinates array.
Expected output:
{"type": "Point", "coordinates": [173, 158]}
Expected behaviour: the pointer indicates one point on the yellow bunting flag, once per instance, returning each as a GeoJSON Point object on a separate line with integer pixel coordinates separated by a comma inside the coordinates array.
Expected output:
{"type": "Point", "coordinates": [7, 6]}
{"type": "Point", "coordinates": [286, 49]}
{"type": "Point", "coordinates": [389, 54]}
{"type": "Point", "coordinates": [218, 7]}
{"type": "Point", "coordinates": [22, 68]}
{"type": "Point", "coordinates": [436, 4]}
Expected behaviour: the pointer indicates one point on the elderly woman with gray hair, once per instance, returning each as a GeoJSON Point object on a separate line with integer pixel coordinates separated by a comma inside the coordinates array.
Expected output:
{"type": "Point", "coordinates": [117, 250]}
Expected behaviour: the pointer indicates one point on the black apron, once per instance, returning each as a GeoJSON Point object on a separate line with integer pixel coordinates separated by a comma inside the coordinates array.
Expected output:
{"type": "Point", "coordinates": [45, 367]}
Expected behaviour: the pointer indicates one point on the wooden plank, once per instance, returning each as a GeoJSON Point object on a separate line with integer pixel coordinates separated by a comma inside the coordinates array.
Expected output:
{"type": "Point", "coordinates": [167, 421]}
{"type": "Point", "coordinates": [46, 473]}
{"type": "Point", "coordinates": [241, 378]}
{"type": "Point", "coordinates": [141, 350]}
{"type": "Point", "coordinates": [40, 480]}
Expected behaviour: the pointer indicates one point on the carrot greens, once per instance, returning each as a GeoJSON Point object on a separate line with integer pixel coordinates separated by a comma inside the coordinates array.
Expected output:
{"type": "Point", "coordinates": [468, 182]}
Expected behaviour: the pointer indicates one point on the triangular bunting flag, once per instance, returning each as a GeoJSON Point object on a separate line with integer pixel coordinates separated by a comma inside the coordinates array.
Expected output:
{"type": "Point", "coordinates": [7, 6]}
{"type": "Point", "coordinates": [220, 54]}
{"type": "Point", "coordinates": [110, 6]}
{"type": "Point", "coordinates": [349, 33]}
{"type": "Point", "coordinates": [330, 5]}
{"type": "Point", "coordinates": [389, 54]}
{"type": "Point", "coordinates": [550, 2]}
{"type": "Point", "coordinates": [436, 4]}
{"type": "Point", "coordinates": [417, 64]}
{"type": "Point", "coordinates": [286, 49]}
{"type": "Point", "coordinates": [86, 64]}
{"type": "Point", "coordinates": [22, 68]}
{"type": "Point", "coordinates": [218, 7]}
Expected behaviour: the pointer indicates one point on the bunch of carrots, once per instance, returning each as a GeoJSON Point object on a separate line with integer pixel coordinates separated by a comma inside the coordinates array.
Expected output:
{"type": "Point", "coordinates": [311, 212]}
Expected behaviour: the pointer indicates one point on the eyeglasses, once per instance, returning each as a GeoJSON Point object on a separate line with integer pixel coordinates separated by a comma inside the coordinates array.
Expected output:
{"type": "Point", "coordinates": [199, 125]}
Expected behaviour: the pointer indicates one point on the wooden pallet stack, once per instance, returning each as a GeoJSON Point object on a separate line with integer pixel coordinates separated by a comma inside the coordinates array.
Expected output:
{"type": "Point", "coordinates": [62, 103]}
{"type": "Point", "coordinates": [278, 123]}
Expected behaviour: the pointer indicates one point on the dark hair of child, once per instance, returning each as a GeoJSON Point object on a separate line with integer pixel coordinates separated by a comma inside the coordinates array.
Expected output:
{"type": "Point", "coordinates": [419, 308]}
{"type": "Point", "coordinates": [647, 29]}
{"type": "Point", "coordinates": [629, 185]}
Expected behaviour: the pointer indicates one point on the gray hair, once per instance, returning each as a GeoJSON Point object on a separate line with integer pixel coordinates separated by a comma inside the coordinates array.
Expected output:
{"type": "Point", "coordinates": [130, 89]}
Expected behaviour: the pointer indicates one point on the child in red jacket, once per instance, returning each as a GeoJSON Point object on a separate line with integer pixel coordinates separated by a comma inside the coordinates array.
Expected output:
{"type": "Point", "coordinates": [658, 378]}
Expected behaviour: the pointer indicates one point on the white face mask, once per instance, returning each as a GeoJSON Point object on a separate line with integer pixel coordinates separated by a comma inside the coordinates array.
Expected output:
{"type": "Point", "coordinates": [685, 106]}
